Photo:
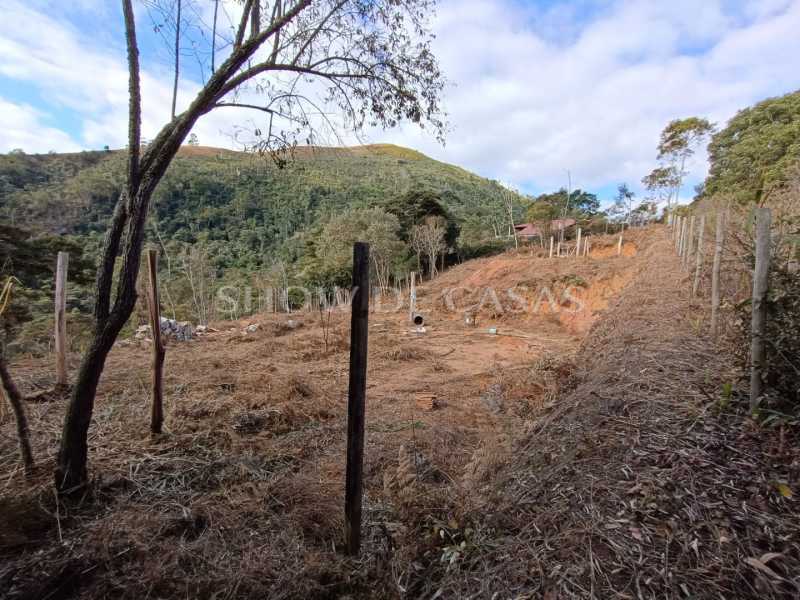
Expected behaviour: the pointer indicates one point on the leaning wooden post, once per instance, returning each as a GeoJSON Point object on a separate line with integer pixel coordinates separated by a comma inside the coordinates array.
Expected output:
{"type": "Point", "coordinates": [619, 246]}
{"type": "Point", "coordinates": [356, 398]}
{"type": "Point", "coordinates": [699, 256]}
{"type": "Point", "coordinates": [718, 243]}
{"type": "Point", "coordinates": [157, 414]}
{"type": "Point", "coordinates": [759, 317]}
{"type": "Point", "coordinates": [412, 297]}
{"type": "Point", "coordinates": [62, 266]}
{"type": "Point", "coordinates": [551, 247]}
{"type": "Point", "coordinates": [578, 244]}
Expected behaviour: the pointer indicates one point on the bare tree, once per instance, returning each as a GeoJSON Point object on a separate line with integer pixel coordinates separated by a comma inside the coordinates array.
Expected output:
{"type": "Point", "coordinates": [508, 199]}
{"type": "Point", "coordinates": [12, 393]}
{"type": "Point", "coordinates": [200, 275]}
{"type": "Point", "coordinates": [428, 239]}
{"type": "Point", "coordinates": [373, 63]}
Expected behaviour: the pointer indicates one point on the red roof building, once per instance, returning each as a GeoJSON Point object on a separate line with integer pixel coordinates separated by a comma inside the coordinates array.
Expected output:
{"type": "Point", "coordinates": [529, 230]}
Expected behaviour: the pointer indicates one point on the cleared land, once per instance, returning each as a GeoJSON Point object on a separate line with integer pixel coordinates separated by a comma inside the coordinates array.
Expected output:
{"type": "Point", "coordinates": [533, 475]}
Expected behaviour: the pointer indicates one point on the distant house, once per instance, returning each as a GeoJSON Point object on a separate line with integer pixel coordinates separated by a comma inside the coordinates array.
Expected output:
{"type": "Point", "coordinates": [527, 231]}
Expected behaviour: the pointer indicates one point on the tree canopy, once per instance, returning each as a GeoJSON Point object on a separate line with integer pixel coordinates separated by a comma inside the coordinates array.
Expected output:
{"type": "Point", "coordinates": [754, 154]}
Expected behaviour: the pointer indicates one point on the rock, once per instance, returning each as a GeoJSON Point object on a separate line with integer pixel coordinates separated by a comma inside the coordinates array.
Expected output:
{"type": "Point", "coordinates": [252, 328]}
{"type": "Point", "coordinates": [292, 324]}
{"type": "Point", "coordinates": [181, 331]}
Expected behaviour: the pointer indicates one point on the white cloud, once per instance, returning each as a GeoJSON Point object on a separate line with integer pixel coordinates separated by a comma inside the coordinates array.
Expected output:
{"type": "Point", "coordinates": [583, 86]}
{"type": "Point", "coordinates": [526, 109]}
{"type": "Point", "coordinates": [23, 127]}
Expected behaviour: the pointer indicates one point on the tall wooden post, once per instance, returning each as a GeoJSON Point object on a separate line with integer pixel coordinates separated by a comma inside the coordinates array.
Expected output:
{"type": "Point", "coordinates": [687, 251]}
{"type": "Point", "coordinates": [157, 414]}
{"type": "Point", "coordinates": [578, 244]}
{"type": "Point", "coordinates": [412, 297]}
{"type": "Point", "coordinates": [356, 398]}
{"type": "Point", "coordinates": [699, 256]}
{"type": "Point", "coordinates": [759, 317]}
{"type": "Point", "coordinates": [551, 247]}
{"type": "Point", "coordinates": [718, 244]}
{"type": "Point", "coordinates": [675, 230]}
{"type": "Point", "coordinates": [62, 266]}
{"type": "Point", "coordinates": [619, 246]}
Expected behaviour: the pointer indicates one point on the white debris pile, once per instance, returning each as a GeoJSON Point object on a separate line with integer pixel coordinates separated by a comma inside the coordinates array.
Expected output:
{"type": "Point", "coordinates": [181, 331]}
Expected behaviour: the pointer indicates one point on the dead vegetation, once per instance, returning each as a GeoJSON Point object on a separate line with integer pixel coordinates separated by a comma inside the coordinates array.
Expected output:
{"type": "Point", "coordinates": [537, 464]}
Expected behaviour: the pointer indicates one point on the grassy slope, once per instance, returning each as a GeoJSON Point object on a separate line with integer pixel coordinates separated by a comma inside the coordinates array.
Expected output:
{"type": "Point", "coordinates": [74, 193]}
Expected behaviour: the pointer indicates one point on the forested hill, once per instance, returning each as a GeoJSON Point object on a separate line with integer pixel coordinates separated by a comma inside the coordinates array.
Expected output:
{"type": "Point", "coordinates": [244, 199]}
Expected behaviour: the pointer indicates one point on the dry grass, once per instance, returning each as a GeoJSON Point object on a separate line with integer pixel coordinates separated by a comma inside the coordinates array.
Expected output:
{"type": "Point", "coordinates": [552, 466]}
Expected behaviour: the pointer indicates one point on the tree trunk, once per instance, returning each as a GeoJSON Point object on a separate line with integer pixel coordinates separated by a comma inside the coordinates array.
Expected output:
{"type": "Point", "coordinates": [17, 405]}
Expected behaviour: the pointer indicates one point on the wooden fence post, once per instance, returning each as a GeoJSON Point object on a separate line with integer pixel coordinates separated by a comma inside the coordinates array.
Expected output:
{"type": "Point", "coordinates": [619, 246]}
{"type": "Point", "coordinates": [684, 234]}
{"type": "Point", "coordinates": [356, 398]}
{"type": "Point", "coordinates": [676, 232]}
{"type": "Point", "coordinates": [157, 414]}
{"type": "Point", "coordinates": [551, 247]}
{"type": "Point", "coordinates": [412, 297]}
{"type": "Point", "coordinates": [718, 244]}
{"type": "Point", "coordinates": [578, 244]}
{"type": "Point", "coordinates": [699, 256]}
{"type": "Point", "coordinates": [759, 317]}
{"type": "Point", "coordinates": [62, 266]}
{"type": "Point", "coordinates": [687, 251]}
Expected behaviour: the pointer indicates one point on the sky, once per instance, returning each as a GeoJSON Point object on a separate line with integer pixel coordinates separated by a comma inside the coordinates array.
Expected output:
{"type": "Point", "coordinates": [538, 91]}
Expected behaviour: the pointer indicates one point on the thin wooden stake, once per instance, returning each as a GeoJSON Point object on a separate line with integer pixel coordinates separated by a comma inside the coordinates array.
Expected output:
{"type": "Point", "coordinates": [578, 244]}
{"type": "Point", "coordinates": [356, 396]}
{"type": "Point", "coordinates": [619, 246]}
{"type": "Point", "coordinates": [718, 244]}
{"type": "Point", "coordinates": [62, 266]}
{"type": "Point", "coordinates": [412, 297]}
{"type": "Point", "coordinates": [759, 316]}
{"type": "Point", "coordinates": [551, 247]}
{"type": "Point", "coordinates": [699, 256]}
{"type": "Point", "coordinates": [157, 414]}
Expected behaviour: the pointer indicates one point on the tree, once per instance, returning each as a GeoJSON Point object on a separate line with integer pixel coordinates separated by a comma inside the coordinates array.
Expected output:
{"type": "Point", "coordinates": [753, 156]}
{"type": "Point", "coordinates": [677, 144]}
{"type": "Point", "coordinates": [624, 202]}
{"type": "Point", "coordinates": [12, 393]}
{"type": "Point", "coordinates": [328, 260]}
{"type": "Point", "coordinates": [372, 59]}
{"type": "Point", "coordinates": [662, 181]}
{"type": "Point", "coordinates": [578, 203]}
{"type": "Point", "coordinates": [428, 239]}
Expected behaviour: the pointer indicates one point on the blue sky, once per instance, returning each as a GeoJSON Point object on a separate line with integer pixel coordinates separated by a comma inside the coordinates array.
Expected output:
{"type": "Point", "coordinates": [537, 88]}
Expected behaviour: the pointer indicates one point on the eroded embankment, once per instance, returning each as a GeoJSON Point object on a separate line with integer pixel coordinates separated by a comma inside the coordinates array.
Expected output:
{"type": "Point", "coordinates": [642, 480]}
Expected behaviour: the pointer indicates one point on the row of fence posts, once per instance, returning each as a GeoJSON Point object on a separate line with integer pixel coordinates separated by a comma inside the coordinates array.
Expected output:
{"type": "Point", "coordinates": [580, 250]}
{"type": "Point", "coordinates": [683, 238]}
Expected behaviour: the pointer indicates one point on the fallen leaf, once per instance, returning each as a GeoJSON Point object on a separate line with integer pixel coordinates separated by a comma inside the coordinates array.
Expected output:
{"type": "Point", "coordinates": [784, 490]}
{"type": "Point", "coordinates": [757, 564]}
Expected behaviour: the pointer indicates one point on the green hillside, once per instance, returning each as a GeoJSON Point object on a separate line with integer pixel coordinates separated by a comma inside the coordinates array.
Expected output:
{"type": "Point", "coordinates": [229, 195]}
{"type": "Point", "coordinates": [234, 217]}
